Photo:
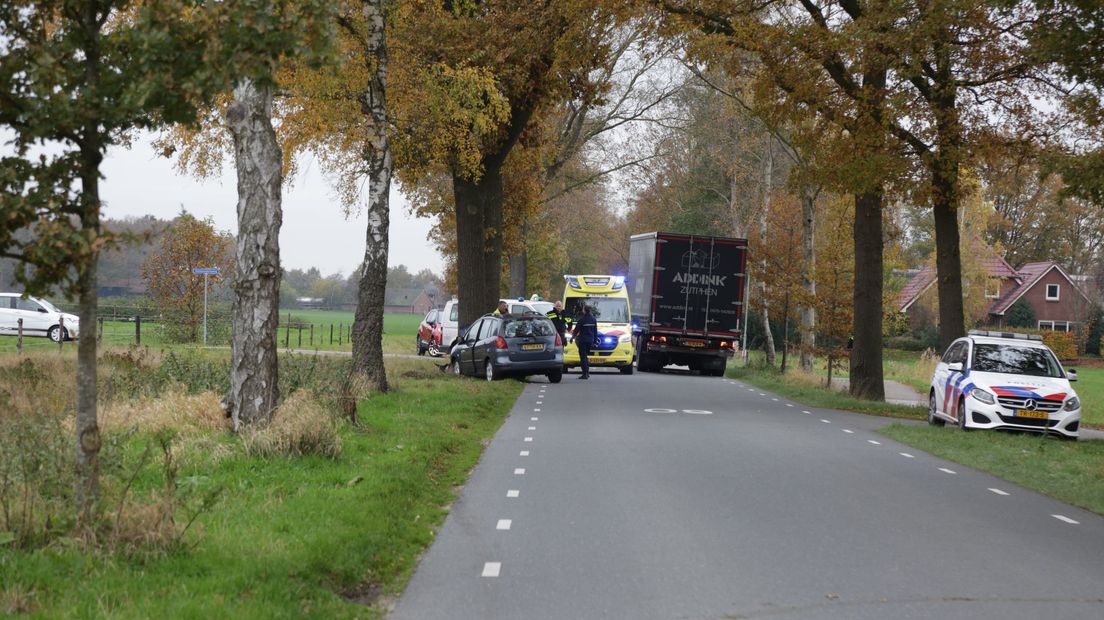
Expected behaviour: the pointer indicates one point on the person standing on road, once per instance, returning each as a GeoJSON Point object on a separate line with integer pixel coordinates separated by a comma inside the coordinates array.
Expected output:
{"type": "Point", "coordinates": [586, 334]}
{"type": "Point", "coordinates": [560, 321]}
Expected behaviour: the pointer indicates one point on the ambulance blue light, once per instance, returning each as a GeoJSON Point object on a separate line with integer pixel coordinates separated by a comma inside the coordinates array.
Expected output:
{"type": "Point", "coordinates": [618, 282]}
{"type": "Point", "coordinates": [573, 281]}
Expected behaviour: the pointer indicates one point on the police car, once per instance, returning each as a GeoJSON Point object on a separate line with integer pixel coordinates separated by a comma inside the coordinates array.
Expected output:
{"type": "Point", "coordinates": [1002, 380]}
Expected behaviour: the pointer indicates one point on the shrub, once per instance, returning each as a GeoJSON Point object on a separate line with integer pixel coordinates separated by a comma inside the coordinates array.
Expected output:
{"type": "Point", "coordinates": [905, 343]}
{"type": "Point", "coordinates": [1064, 344]}
{"type": "Point", "coordinates": [1021, 314]}
{"type": "Point", "coordinates": [299, 427]}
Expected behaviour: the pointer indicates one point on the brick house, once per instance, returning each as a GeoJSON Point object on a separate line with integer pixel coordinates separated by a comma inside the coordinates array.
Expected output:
{"type": "Point", "coordinates": [407, 301]}
{"type": "Point", "coordinates": [1058, 302]}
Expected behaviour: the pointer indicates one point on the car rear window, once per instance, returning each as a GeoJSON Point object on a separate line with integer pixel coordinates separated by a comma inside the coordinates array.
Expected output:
{"type": "Point", "coordinates": [1032, 361]}
{"type": "Point", "coordinates": [525, 328]}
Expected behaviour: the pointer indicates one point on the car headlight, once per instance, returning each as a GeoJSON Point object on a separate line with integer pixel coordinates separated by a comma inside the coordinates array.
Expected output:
{"type": "Point", "coordinates": [625, 338]}
{"type": "Point", "coordinates": [1072, 403]}
{"type": "Point", "coordinates": [983, 396]}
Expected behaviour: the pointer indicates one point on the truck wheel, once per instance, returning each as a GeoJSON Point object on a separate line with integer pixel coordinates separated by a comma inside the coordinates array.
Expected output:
{"type": "Point", "coordinates": [626, 369]}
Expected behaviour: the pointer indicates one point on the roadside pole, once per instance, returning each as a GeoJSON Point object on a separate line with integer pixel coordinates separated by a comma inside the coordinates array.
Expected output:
{"type": "Point", "coordinates": [205, 271]}
{"type": "Point", "coordinates": [743, 336]}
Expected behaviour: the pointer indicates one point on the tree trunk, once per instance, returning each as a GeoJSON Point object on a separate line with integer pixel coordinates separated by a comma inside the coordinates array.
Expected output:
{"type": "Point", "coordinates": [785, 333]}
{"type": "Point", "coordinates": [946, 161]}
{"type": "Point", "coordinates": [867, 377]}
{"type": "Point", "coordinates": [367, 334]}
{"type": "Point", "coordinates": [519, 266]}
{"type": "Point", "coordinates": [768, 182]}
{"type": "Point", "coordinates": [254, 369]}
{"type": "Point", "coordinates": [479, 254]}
{"type": "Point", "coordinates": [808, 309]}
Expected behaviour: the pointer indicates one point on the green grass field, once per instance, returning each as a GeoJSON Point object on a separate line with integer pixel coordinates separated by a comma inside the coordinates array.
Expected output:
{"type": "Point", "coordinates": [1090, 389]}
{"type": "Point", "coordinates": [1071, 471]}
{"type": "Point", "coordinates": [305, 537]}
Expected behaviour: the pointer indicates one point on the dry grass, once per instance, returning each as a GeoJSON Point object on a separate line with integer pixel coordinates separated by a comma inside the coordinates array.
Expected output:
{"type": "Point", "coordinates": [15, 599]}
{"type": "Point", "coordinates": [174, 410]}
{"type": "Point", "coordinates": [301, 426]}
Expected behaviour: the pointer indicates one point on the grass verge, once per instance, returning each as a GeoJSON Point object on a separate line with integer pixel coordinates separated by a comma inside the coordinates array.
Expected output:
{"type": "Point", "coordinates": [289, 537]}
{"type": "Point", "coordinates": [1070, 471]}
{"type": "Point", "coordinates": [804, 391]}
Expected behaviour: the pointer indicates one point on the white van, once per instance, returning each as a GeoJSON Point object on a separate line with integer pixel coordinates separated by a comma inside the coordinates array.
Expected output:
{"type": "Point", "coordinates": [40, 318]}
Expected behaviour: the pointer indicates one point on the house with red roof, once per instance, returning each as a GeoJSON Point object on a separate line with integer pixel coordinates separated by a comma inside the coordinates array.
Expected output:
{"type": "Point", "coordinates": [1058, 302]}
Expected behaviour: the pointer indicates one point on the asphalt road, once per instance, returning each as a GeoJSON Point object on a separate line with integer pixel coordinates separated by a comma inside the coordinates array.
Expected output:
{"type": "Point", "coordinates": [685, 497]}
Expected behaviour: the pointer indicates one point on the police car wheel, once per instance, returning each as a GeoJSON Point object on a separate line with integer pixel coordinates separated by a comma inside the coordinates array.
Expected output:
{"type": "Point", "coordinates": [933, 419]}
{"type": "Point", "coordinates": [962, 415]}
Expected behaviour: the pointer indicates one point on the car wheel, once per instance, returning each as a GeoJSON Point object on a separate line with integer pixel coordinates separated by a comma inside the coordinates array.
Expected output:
{"type": "Point", "coordinates": [962, 414]}
{"type": "Point", "coordinates": [456, 367]}
{"type": "Point", "coordinates": [626, 370]}
{"type": "Point", "coordinates": [434, 350]}
{"type": "Point", "coordinates": [490, 369]}
{"type": "Point", "coordinates": [933, 419]}
{"type": "Point", "coordinates": [57, 334]}
{"type": "Point", "coordinates": [555, 377]}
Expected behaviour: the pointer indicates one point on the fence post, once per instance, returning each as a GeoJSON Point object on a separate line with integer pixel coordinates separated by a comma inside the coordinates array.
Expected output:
{"type": "Point", "coordinates": [340, 333]}
{"type": "Point", "coordinates": [61, 333]}
{"type": "Point", "coordinates": [287, 333]}
{"type": "Point", "coordinates": [99, 334]}
{"type": "Point", "coordinates": [331, 333]}
{"type": "Point", "coordinates": [19, 338]}
{"type": "Point", "coordinates": [138, 330]}
{"type": "Point", "coordinates": [312, 335]}
{"type": "Point", "coordinates": [300, 345]}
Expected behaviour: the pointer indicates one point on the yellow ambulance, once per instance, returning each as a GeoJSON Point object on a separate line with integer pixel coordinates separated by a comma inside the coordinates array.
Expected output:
{"type": "Point", "coordinates": [609, 302]}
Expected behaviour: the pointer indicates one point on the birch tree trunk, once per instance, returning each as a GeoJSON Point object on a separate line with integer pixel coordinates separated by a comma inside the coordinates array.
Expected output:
{"type": "Point", "coordinates": [808, 309]}
{"type": "Point", "coordinates": [368, 322]}
{"type": "Point", "coordinates": [768, 173]}
{"type": "Point", "coordinates": [254, 369]}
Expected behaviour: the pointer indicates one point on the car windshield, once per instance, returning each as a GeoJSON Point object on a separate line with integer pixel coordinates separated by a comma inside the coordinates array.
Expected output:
{"type": "Point", "coordinates": [525, 328]}
{"type": "Point", "coordinates": [541, 306]}
{"type": "Point", "coordinates": [49, 306]}
{"type": "Point", "coordinates": [1013, 360]}
{"type": "Point", "coordinates": [604, 309]}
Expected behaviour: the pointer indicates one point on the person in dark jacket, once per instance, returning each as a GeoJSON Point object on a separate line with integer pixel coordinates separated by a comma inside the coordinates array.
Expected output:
{"type": "Point", "coordinates": [586, 334]}
{"type": "Point", "coordinates": [560, 321]}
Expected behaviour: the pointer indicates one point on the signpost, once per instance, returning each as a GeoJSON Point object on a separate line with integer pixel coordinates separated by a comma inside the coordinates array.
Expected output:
{"type": "Point", "coordinates": [205, 271]}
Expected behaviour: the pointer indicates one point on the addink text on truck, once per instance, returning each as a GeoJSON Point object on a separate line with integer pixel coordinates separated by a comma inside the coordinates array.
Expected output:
{"type": "Point", "coordinates": [687, 298]}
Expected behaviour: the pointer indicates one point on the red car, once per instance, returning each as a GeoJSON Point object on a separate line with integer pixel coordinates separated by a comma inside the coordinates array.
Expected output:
{"type": "Point", "coordinates": [429, 334]}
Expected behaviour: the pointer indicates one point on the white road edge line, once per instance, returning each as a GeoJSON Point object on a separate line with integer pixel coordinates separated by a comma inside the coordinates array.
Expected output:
{"type": "Point", "coordinates": [534, 419]}
{"type": "Point", "coordinates": [906, 455]}
{"type": "Point", "coordinates": [529, 439]}
{"type": "Point", "coordinates": [1066, 519]}
{"type": "Point", "coordinates": [947, 471]}
{"type": "Point", "coordinates": [524, 453]}
{"type": "Point", "coordinates": [789, 404]}
{"type": "Point", "coordinates": [536, 411]}
{"type": "Point", "coordinates": [519, 471]}
{"type": "Point", "coordinates": [532, 428]}
{"type": "Point", "coordinates": [513, 493]}
{"type": "Point", "coordinates": [849, 431]}
{"type": "Point", "coordinates": [504, 524]}
{"type": "Point", "coordinates": [877, 443]}
{"type": "Point", "coordinates": [825, 421]}
{"type": "Point", "coordinates": [807, 412]}
{"type": "Point", "coordinates": [492, 569]}
{"type": "Point", "coordinates": [998, 491]}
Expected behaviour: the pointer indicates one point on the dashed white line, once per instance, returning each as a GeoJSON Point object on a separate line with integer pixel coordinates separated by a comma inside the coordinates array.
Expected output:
{"type": "Point", "coordinates": [998, 491]}
{"type": "Point", "coordinates": [825, 421]}
{"type": "Point", "coordinates": [789, 404]}
{"type": "Point", "coordinates": [849, 431]}
{"type": "Point", "coordinates": [532, 428]}
{"type": "Point", "coordinates": [524, 453]}
{"type": "Point", "coordinates": [1066, 519]}
{"type": "Point", "coordinates": [775, 399]}
{"type": "Point", "coordinates": [536, 411]}
{"type": "Point", "coordinates": [762, 394]}
{"type": "Point", "coordinates": [540, 402]}
{"type": "Point", "coordinates": [492, 569]}
{"type": "Point", "coordinates": [513, 493]}
{"type": "Point", "coordinates": [807, 412]}
{"type": "Point", "coordinates": [877, 443]}
{"type": "Point", "coordinates": [534, 419]}
{"type": "Point", "coordinates": [519, 471]}
{"type": "Point", "coordinates": [947, 471]}
{"type": "Point", "coordinates": [504, 524]}
{"type": "Point", "coordinates": [906, 455]}
{"type": "Point", "coordinates": [529, 439]}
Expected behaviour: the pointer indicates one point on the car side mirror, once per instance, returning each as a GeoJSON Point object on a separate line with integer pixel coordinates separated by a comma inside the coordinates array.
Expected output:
{"type": "Point", "coordinates": [1071, 374]}
{"type": "Point", "coordinates": [955, 367]}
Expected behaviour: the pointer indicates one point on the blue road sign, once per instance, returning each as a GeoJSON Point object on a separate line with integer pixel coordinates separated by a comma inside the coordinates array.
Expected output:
{"type": "Point", "coordinates": [208, 271]}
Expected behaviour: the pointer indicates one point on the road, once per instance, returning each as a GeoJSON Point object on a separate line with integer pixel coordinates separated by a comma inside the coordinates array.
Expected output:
{"type": "Point", "coordinates": [684, 497]}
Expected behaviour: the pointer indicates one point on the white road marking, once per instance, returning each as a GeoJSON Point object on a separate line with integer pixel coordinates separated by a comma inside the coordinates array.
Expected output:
{"type": "Point", "coordinates": [520, 471]}
{"type": "Point", "coordinates": [532, 428]}
{"type": "Point", "coordinates": [513, 493]}
{"type": "Point", "coordinates": [540, 402]}
{"type": "Point", "coordinates": [1066, 519]}
{"type": "Point", "coordinates": [524, 453]}
{"type": "Point", "coordinates": [947, 471]}
{"type": "Point", "coordinates": [536, 411]}
{"type": "Point", "coordinates": [807, 412]}
{"type": "Point", "coordinates": [825, 421]}
{"type": "Point", "coordinates": [775, 399]}
{"type": "Point", "coordinates": [534, 419]}
{"type": "Point", "coordinates": [697, 411]}
{"type": "Point", "coordinates": [849, 431]}
{"type": "Point", "coordinates": [877, 443]}
{"type": "Point", "coordinates": [998, 491]}
{"type": "Point", "coordinates": [660, 410]}
{"type": "Point", "coordinates": [529, 439]}
{"type": "Point", "coordinates": [504, 524]}
{"type": "Point", "coordinates": [762, 394]}
{"type": "Point", "coordinates": [789, 404]}
{"type": "Point", "coordinates": [492, 569]}
{"type": "Point", "coordinates": [906, 455]}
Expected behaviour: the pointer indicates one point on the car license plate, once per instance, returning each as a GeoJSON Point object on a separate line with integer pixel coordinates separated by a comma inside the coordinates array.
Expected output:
{"type": "Point", "coordinates": [694, 343]}
{"type": "Point", "coordinates": [532, 347]}
{"type": "Point", "coordinates": [1025, 413]}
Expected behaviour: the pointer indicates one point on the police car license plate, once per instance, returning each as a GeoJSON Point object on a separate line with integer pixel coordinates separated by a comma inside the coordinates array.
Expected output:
{"type": "Point", "coordinates": [532, 347]}
{"type": "Point", "coordinates": [694, 343]}
{"type": "Point", "coordinates": [1026, 413]}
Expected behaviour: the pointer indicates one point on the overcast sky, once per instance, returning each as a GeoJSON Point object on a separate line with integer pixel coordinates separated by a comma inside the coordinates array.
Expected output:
{"type": "Point", "coordinates": [315, 232]}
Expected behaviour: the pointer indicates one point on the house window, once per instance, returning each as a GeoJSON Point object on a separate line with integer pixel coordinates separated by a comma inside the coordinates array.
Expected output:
{"type": "Point", "coordinates": [1052, 292]}
{"type": "Point", "coordinates": [1058, 326]}
{"type": "Point", "coordinates": [992, 288]}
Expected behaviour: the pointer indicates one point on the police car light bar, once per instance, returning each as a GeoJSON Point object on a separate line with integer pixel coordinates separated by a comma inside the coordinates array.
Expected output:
{"type": "Point", "coordinates": [992, 334]}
